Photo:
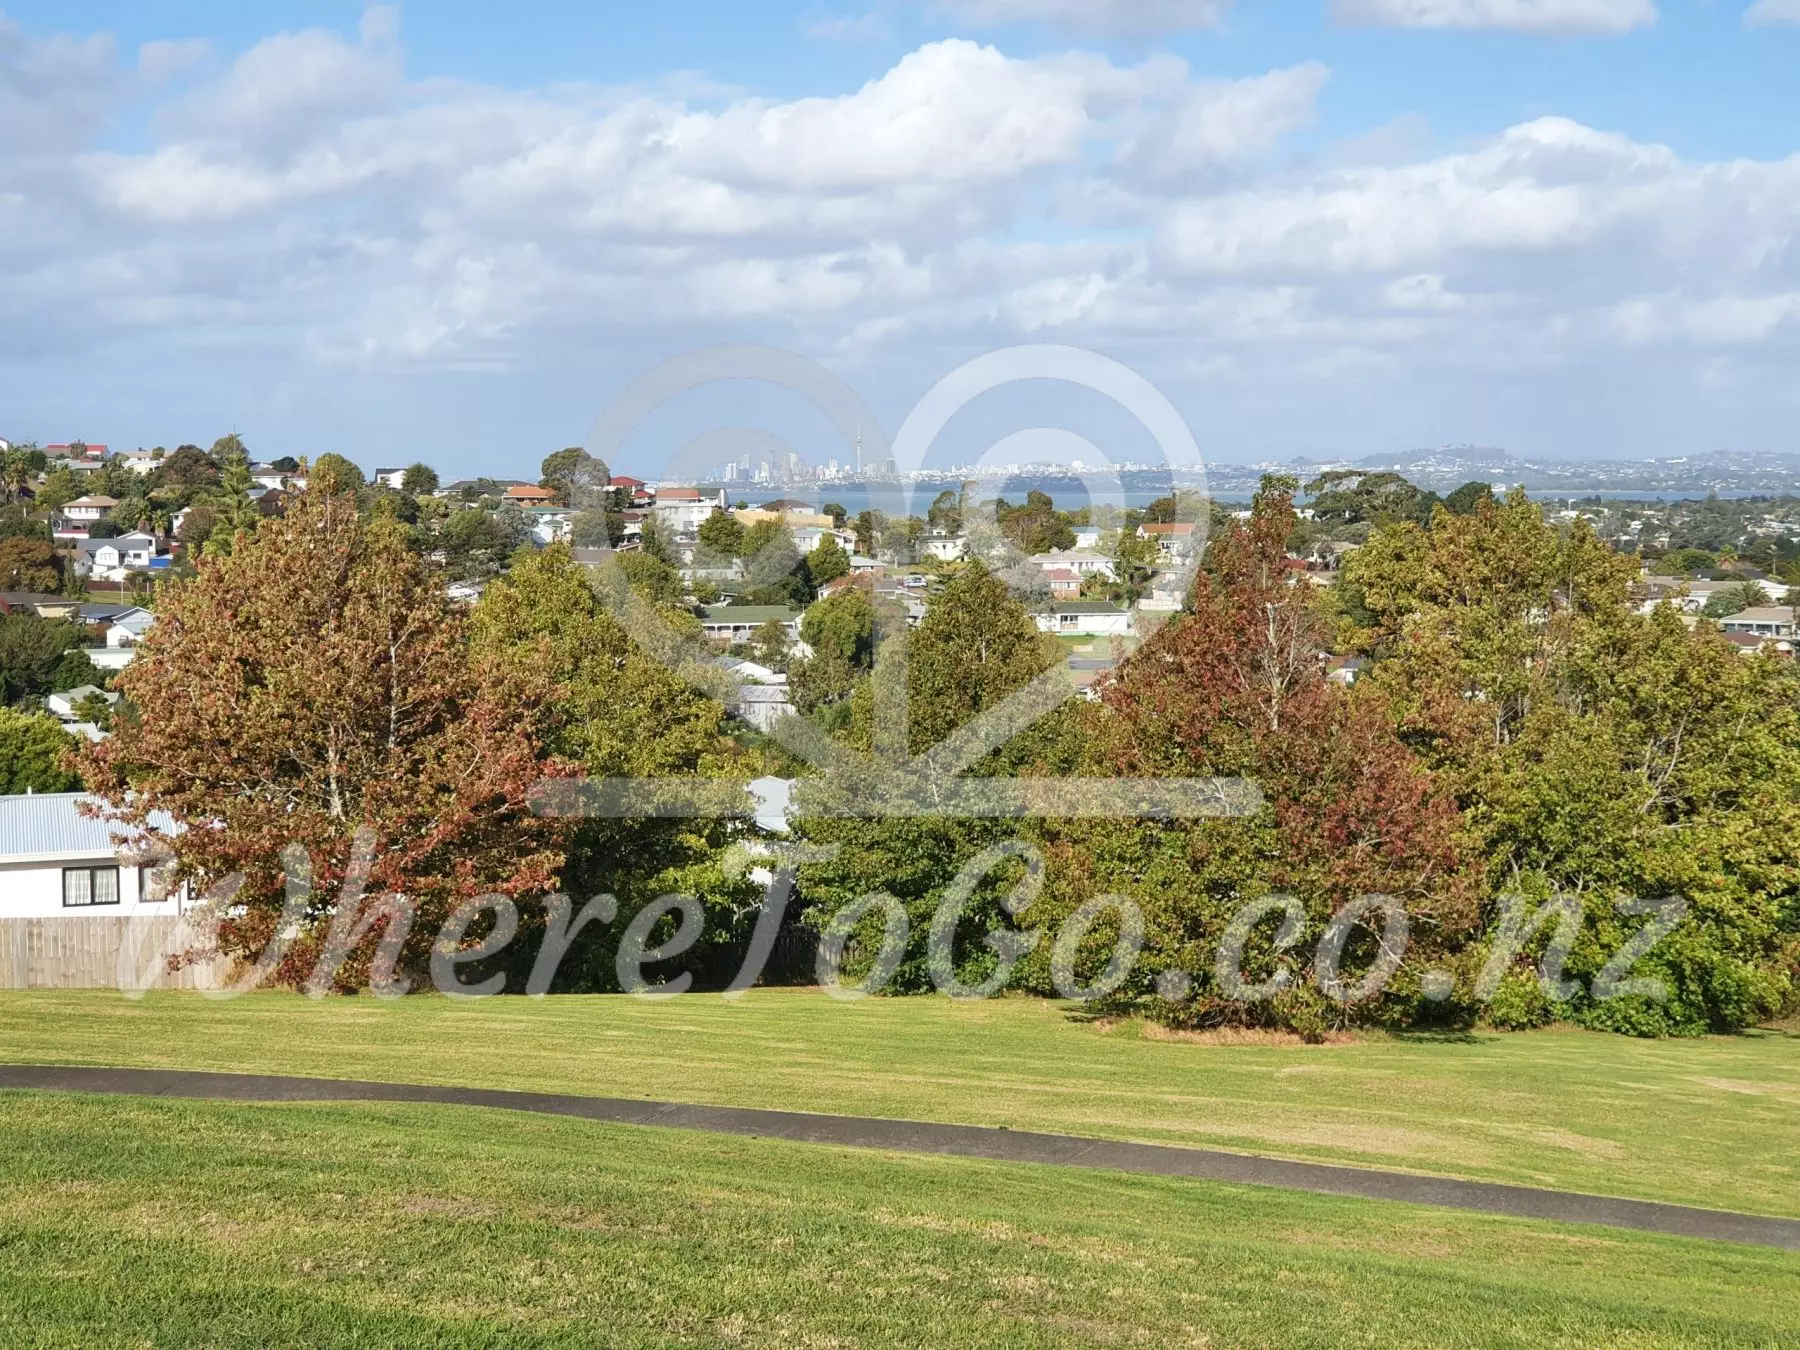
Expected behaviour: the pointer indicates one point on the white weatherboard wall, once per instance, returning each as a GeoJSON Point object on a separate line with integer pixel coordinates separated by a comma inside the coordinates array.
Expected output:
{"type": "Point", "coordinates": [45, 835]}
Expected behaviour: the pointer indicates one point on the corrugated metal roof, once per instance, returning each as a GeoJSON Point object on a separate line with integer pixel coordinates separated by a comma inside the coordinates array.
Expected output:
{"type": "Point", "coordinates": [47, 824]}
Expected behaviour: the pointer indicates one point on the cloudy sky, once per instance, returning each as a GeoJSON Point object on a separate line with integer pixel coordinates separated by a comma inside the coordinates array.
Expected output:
{"type": "Point", "coordinates": [455, 230]}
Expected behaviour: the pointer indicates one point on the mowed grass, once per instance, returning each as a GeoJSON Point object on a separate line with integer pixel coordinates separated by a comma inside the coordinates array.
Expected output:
{"type": "Point", "coordinates": [153, 1222]}
{"type": "Point", "coordinates": [1712, 1122]}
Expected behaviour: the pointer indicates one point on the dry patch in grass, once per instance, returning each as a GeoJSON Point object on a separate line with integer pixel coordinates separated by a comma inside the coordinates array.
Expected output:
{"type": "Point", "coordinates": [1155, 1031]}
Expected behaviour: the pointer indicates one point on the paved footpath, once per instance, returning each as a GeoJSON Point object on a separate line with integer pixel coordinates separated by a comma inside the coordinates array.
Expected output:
{"type": "Point", "coordinates": [965, 1141]}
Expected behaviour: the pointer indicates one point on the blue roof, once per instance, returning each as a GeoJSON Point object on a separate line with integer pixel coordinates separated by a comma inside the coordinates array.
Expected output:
{"type": "Point", "coordinates": [47, 824]}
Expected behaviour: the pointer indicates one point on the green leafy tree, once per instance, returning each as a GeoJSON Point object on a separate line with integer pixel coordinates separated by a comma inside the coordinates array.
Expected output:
{"type": "Point", "coordinates": [35, 754]}
{"type": "Point", "coordinates": [840, 631]}
{"type": "Point", "coordinates": [420, 480]}
{"type": "Point", "coordinates": [722, 534]}
{"type": "Point", "coordinates": [621, 714]}
{"type": "Point", "coordinates": [31, 653]}
{"type": "Point", "coordinates": [59, 488]}
{"type": "Point", "coordinates": [827, 562]}
{"type": "Point", "coordinates": [337, 474]}
{"type": "Point", "coordinates": [1463, 501]}
{"type": "Point", "coordinates": [1734, 600]}
{"type": "Point", "coordinates": [579, 479]}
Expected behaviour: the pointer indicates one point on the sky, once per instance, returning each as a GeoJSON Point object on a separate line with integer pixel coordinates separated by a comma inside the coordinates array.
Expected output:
{"type": "Point", "coordinates": [456, 231]}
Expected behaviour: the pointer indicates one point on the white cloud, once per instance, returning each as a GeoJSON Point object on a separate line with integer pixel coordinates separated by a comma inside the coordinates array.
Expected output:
{"type": "Point", "coordinates": [315, 203]}
{"type": "Point", "coordinates": [1768, 13]}
{"type": "Point", "coordinates": [1519, 16]}
{"type": "Point", "coordinates": [1123, 18]}
{"type": "Point", "coordinates": [869, 27]}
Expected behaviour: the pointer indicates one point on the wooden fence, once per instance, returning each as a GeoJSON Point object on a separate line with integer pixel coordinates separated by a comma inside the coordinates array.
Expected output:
{"type": "Point", "coordinates": [85, 953]}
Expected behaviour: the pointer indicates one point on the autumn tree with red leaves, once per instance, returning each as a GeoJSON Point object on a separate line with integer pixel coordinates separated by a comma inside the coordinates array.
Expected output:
{"type": "Point", "coordinates": [313, 685]}
{"type": "Point", "coordinates": [1237, 688]}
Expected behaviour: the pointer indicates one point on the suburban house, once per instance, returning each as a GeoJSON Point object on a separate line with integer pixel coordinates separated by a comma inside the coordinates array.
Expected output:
{"type": "Point", "coordinates": [56, 862]}
{"type": "Point", "coordinates": [811, 536]}
{"type": "Point", "coordinates": [269, 477]}
{"type": "Point", "coordinates": [1065, 584]}
{"type": "Point", "coordinates": [1765, 621]}
{"type": "Point", "coordinates": [549, 524]}
{"type": "Point", "coordinates": [40, 603]}
{"type": "Point", "coordinates": [1078, 561]}
{"type": "Point", "coordinates": [948, 547]}
{"type": "Point", "coordinates": [77, 457]}
{"type": "Point", "coordinates": [635, 490]}
{"type": "Point", "coordinates": [100, 557]}
{"type": "Point", "coordinates": [78, 515]}
{"type": "Point", "coordinates": [120, 625]}
{"type": "Point", "coordinates": [680, 510]}
{"type": "Point", "coordinates": [529, 494]}
{"type": "Point", "coordinates": [1174, 540]}
{"type": "Point", "coordinates": [736, 623]}
{"type": "Point", "coordinates": [1085, 618]}
{"type": "Point", "coordinates": [63, 704]}
{"type": "Point", "coordinates": [393, 478]}
{"type": "Point", "coordinates": [761, 705]}
{"type": "Point", "coordinates": [141, 461]}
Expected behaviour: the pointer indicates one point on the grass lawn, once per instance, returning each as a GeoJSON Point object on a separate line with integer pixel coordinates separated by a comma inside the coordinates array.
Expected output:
{"type": "Point", "coordinates": [1713, 1122]}
{"type": "Point", "coordinates": [142, 1221]}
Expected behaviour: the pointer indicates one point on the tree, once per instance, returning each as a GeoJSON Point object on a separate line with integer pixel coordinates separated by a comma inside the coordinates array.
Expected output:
{"type": "Point", "coordinates": [29, 565]}
{"type": "Point", "coordinates": [837, 513]}
{"type": "Point", "coordinates": [975, 645]}
{"type": "Point", "coordinates": [31, 652]}
{"type": "Point", "coordinates": [840, 630]}
{"type": "Point", "coordinates": [1687, 561]}
{"type": "Point", "coordinates": [653, 538]}
{"type": "Point", "coordinates": [769, 644]}
{"type": "Point", "coordinates": [1597, 753]}
{"type": "Point", "coordinates": [477, 543]}
{"type": "Point", "coordinates": [1235, 688]}
{"type": "Point", "coordinates": [1362, 496]}
{"type": "Point", "coordinates": [621, 714]}
{"type": "Point", "coordinates": [314, 687]}
{"type": "Point", "coordinates": [337, 474]}
{"type": "Point", "coordinates": [946, 512]}
{"type": "Point", "coordinates": [577, 477]}
{"type": "Point", "coordinates": [723, 535]}
{"type": "Point", "coordinates": [34, 754]}
{"type": "Point", "coordinates": [1463, 501]}
{"type": "Point", "coordinates": [188, 467]}
{"type": "Point", "coordinates": [869, 526]}
{"type": "Point", "coordinates": [420, 480]}
{"type": "Point", "coordinates": [59, 488]}
{"type": "Point", "coordinates": [827, 562]}
{"type": "Point", "coordinates": [1735, 600]}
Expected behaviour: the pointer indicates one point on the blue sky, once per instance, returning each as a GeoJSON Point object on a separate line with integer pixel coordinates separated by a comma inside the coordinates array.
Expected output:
{"type": "Point", "coordinates": [1565, 227]}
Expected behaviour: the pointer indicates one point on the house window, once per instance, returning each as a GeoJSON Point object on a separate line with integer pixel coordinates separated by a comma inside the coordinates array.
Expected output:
{"type": "Point", "coordinates": [90, 886]}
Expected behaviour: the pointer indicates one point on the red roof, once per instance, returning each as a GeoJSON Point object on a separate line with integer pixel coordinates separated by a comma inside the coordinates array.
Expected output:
{"type": "Point", "coordinates": [1187, 528]}
{"type": "Point", "coordinates": [98, 451]}
{"type": "Point", "coordinates": [678, 494]}
{"type": "Point", "coordinates": [627, 483]}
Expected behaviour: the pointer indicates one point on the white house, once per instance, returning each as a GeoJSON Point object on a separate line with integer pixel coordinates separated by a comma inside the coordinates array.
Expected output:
{"type": "Point", "coordinates": [549, 524]}
{"type": "Point", "coordinates": [945, 547]}
{"type": "Point", "coordinates": [736, 623]}
{"type": "Point", "coordinates": [112, 658]}
{"type": "Point", "coordinates": [126, 553]}
{"type": "Point", "coordinates": [140, 461]}
{"type": "Point", "coordinates": [64, 703]}
{"type": "Point", "coordinates": [75, 517]}
{"type": "Point", "coordinates": [57, 863]}
{"type": "Point", "coordinates": [1085, 618]}
{"type": "Point", "coordinates": [128, 628]}
{"type": "Point", "coordinates": [393, 478]}
{"type": "Point", "coordinates": [680, 510]}
{"type": "Point", "coordinates": [1079, 561]}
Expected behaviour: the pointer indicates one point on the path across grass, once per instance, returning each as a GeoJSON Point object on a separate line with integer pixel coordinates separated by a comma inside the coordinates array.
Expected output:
{"type": "Point", "coordinates": [1713, 1123]}
{"type": "Point", "coordinates": [135, 1221]}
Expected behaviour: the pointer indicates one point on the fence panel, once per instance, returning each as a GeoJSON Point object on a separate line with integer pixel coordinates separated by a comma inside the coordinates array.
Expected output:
{"type": "Point", "coordinates": [85, 953]}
